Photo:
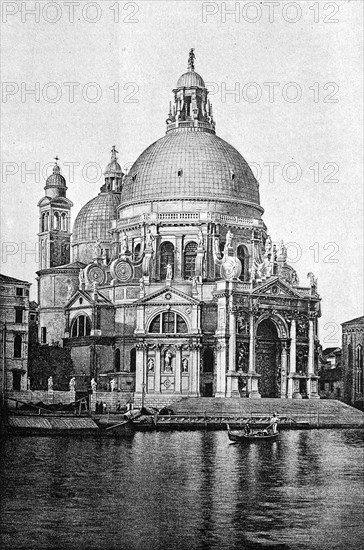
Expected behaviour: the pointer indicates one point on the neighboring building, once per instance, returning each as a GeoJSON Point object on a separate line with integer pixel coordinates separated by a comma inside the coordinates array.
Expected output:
{"type": "Point", "coordinates": [330, 372]}
{"type": "Point", "coordinates": [175, 287]}
{"type": "Point", "coordinates": [14, 325]}
{"type": "Point", "coordinates": [352, 359]}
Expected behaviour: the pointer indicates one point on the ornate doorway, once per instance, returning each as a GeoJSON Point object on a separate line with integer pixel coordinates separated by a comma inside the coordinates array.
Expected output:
{"type": "Point", "coordinates": [267, 359]}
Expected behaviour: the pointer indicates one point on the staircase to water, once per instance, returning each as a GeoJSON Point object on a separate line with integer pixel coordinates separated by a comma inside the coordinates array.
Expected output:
{"type": "Point", "coordinates": [318, 412]}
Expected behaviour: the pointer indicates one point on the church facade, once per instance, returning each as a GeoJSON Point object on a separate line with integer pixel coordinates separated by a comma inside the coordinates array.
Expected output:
{"type": "Point", "coordinates": [170, 284]}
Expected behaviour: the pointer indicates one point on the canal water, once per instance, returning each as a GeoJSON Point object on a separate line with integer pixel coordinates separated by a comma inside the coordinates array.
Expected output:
{"type": "Point", "coordinates": [183, 490]}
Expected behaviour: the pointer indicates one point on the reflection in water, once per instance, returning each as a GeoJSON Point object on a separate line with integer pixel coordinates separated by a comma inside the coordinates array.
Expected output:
{"type": "Point", "coordinates": [180, 490]}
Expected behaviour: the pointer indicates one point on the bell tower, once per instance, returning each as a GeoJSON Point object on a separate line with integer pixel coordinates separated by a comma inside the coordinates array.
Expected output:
{"type": "Point", "coordinates": [54, 222]}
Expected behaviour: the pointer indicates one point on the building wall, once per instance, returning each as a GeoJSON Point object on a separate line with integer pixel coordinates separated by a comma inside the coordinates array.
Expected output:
{"type": "Point", "coordinates": [352, 365]}
{"type": "Point", "coordinates": [54, 291]}
{"type": "Point", "coordinates": [16, 368]}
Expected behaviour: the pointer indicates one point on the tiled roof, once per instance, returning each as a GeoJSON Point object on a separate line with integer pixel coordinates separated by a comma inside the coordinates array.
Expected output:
{"type": "Point", "coordinates": [7, 279]}
{"type": "Point", "coordinates": [355, 321]}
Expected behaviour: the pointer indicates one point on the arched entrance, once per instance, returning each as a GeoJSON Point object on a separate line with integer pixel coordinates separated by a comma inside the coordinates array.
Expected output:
{"type": "Point", "coordinates": [267, 359]}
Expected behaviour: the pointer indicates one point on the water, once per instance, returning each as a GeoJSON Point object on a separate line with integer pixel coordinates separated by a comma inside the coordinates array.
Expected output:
{"type": "Point", "coordinates": [183, 490]}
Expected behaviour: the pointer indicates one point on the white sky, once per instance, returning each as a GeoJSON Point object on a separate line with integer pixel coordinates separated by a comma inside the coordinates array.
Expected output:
{"type": "Point", "coordinates": [144, 59]}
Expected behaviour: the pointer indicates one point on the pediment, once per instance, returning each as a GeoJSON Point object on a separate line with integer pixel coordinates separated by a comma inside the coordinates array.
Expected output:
{"type": "Point", "coordinates": [168, 295]}
{"type": "Point", "coordinates": [87, 300]}
{"type": "Point", "coordinates": [276, 287]}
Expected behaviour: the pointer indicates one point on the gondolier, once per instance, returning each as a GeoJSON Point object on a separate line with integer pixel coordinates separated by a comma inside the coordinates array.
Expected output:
{"type": "Point", "coordinates": [273, 423]}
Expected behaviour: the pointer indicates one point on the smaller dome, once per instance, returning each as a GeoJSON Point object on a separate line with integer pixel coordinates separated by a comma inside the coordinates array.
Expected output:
{"type": "Point", "coordinates": [94, 219]}
{"type": "Point", "coordinates": [56, 179]}
{"type": "Point", "coordinates": [113, 166]}
{"type": "Point", "coordinates": [189, 79]}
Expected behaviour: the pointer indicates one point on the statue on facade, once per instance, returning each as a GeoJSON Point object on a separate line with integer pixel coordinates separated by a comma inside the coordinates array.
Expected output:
{"type": "Point", "coordinates": [112, 384]}
{"type": "Point", "coordinates": [168, 361]}
{"type": "Point", "coordinates": [169, 271]}
{"type": "Point", "coordinates": [185, 364]}
{"type": "Point", "coordinates": [81, 277]}
{"type": "Point", "coordinates": [229, 239]}
{"type": "Point", "coordinates": [72, 384]}
{"type": "Point", "coordinates": [149, 239]}
{"type": "Point", "coordinates": [141, 284]}
{"type": "Point", "coordinates": [194, 284]}
{"type": "Point", "coordinates": [93, 384]}
{"type": "Point", "coordinates": [151, 364]}
{"type": "Point", "coordinates": [313, 280]}
{"type": "Point", "coordinates": [268, 246]}
{"type": "Point", "coordinates": [123, 242]}
{"type": "Point", "coordinates": [97, 249]}
{"type": "Point", "coordinates": [282, 252]}
{"type": "Point", "coordinates": [50, 383]}
{"type": "Point", "coordinates": [191, 59]}
{"type": "Point", "coordinates": [200, 239]}
{"type": "Point", "coordinates": [242, 357]}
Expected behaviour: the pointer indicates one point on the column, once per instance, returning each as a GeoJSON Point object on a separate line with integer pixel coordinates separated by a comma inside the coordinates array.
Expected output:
{"type": "Point", "coordinates": [221, 368]}
{"type": "Point", "coordinates": [312, 379]}
{"type": "Point", "coordinates": [292, 353]}
{"type": "Point", "coordinates": [253, 377]}
{"type": "Point", "coordinates": [311, 349]}
{"type": "Point", "coordinates": [178, 374]}
{"type": "Point", "coordinates": [283, 370]}
{"type": "Point", "coordinates": [251, 344]}
{"type": "Point", "coordinates": [232, 334]}
{"type": "Point", "coordinates": [293, 384]}
{"type": "Point", "coordinates": [157, 374]}
{"type": "Point", "coordinates": [198, 367]}
{"type": "Point", "coordinates": [139, 372]}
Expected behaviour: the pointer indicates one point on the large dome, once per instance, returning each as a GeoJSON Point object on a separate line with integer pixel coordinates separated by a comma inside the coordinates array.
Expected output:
{"type": "Point", "coordinates": [94, 219]}
{"type": "Point", "coordinates": [190, 164]}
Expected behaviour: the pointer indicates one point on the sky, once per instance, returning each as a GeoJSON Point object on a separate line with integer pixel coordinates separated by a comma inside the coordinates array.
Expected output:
{"type": "Point", "coordinates": [285, 81]}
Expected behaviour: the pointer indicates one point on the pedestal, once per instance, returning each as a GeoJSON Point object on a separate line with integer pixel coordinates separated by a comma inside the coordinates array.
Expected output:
{"type": "Point", "coordinates": [93, 400]}
{"type": "Point", "coordinates": [232, 384]}
{"type": "Point", "coordinates": [293, 391]}
{"type": "Point", "coordinates": [312, 386]}
{"type": "Point", "coordinates": [252, 385]}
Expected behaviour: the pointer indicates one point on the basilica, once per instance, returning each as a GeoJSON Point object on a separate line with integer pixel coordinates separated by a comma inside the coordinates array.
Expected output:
{"type": "Point", "coordinates": [169, 284]}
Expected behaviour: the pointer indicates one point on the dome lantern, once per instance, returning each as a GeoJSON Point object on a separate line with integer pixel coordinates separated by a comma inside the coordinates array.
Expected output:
{"type": "Point", "coordinates": [191, 108]}
{"type": "Point", "coordinates": [113, 174]}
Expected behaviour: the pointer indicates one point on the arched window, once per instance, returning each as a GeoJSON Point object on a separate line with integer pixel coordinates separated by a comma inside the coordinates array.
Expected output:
{"type": "Point", "coordinates": [166, 257]}
{"type": "Point", "coordinates": [43, 223]}
{"type": "Point", "coordinates": [190, 260]}
{"type": "Point", "coordinates": [208, 360]}
{"type": "Point", "coordinates": [243, 256]}
{"type": "Point", "coordinates": [64, 222]}
{"type": "Point", "coordinates": [136, 252]}
{"type": "Point", "coordinates": [133, 360]}
{"type": "Point", "coordinates": [81, 326]}
{"type": "Point", "coordinates": [56, 220]}
{"type": "Point", "coordinates": [168, 323]}
{"type": "Point", "coordinates": [117, 360]}
{"type": "Point", "coordinates": [17, 345]}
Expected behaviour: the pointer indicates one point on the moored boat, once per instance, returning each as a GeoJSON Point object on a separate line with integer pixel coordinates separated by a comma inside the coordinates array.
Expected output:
{"type": "Point", "coordinates": [241, 436]}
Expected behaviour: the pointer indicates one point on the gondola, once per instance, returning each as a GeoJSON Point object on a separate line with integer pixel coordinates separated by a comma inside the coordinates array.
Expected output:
{"type": "Point", "coordinates": [239, 436]}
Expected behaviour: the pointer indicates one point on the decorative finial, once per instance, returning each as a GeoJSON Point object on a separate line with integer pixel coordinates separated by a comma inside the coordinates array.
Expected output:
{"type": "Point", "coordinates": [113, 153]}
{"type": "Point", "coordinates": [191, 60]}
{"type": "Point", "coordinates": [56, 169]}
